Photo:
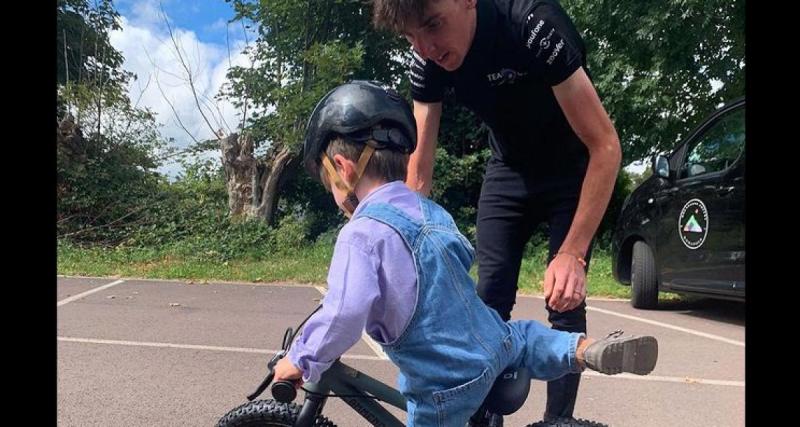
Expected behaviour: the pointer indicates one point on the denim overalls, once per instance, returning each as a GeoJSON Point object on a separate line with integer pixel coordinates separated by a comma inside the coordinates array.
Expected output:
{"type": "Point", "coordinates": [454, 345]}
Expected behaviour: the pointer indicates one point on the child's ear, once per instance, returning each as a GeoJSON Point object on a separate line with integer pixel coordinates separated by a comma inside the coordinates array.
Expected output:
{"type": "Point", "coordinates": [345, 167]}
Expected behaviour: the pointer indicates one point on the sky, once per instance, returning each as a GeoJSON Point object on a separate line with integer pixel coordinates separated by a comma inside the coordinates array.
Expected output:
{"type": "Point", "coordinates": [202, 30]}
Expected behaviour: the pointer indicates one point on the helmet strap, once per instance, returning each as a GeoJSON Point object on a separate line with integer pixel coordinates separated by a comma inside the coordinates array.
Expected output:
{"type": "Point", "coordinates": [350, 202]}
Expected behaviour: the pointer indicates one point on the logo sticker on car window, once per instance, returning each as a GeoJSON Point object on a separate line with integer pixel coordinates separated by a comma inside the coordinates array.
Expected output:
{"type": "Point", "coordinates": [693, 224]}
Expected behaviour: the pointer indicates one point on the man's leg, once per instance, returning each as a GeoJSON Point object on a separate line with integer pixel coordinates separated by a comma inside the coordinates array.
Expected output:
{"type": "Point", "coordinates": [562, 393]}
{"type": "Point", "coordinates": [504, 227]}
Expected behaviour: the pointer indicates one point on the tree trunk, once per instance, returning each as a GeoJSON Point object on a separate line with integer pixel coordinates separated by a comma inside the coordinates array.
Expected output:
{"type": "Point", "coordinates": [253, 185]}
{"type": "Point", "coordinates": [71, 149]}
{"type": "Point", "coordinates": [269, 182]}
{"type": "Point", "coordinates": [239, 164]}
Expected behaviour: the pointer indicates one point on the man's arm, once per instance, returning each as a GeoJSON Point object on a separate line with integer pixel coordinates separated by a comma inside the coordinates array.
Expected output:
{"type": "Point", "coordinates": [420, 165]}
{"type": "Point", "coordinates": [584, 112]}
{"type": "Point", "coordinates": [565, 277]}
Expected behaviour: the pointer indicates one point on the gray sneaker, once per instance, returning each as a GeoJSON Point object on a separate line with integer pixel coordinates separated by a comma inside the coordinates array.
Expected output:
{"type": "Point", "coordinates": [614, 354]}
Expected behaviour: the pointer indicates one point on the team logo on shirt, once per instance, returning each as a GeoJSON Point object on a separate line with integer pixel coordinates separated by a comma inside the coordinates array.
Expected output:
{"type": "Point", "coordinates": [504, 76]}
{"type": "Point", "coordinates": [544, 44]}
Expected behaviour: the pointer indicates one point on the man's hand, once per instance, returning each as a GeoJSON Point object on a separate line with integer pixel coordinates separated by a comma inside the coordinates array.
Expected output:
{"type": "Point", "coordinates": [286, 371]}
{"type": "Point", "coordinates": [564, 283]}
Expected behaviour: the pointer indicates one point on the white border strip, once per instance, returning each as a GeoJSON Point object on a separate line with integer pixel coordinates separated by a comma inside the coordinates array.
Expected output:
{"type": "Point", "coordinates": [287, 284]}
{"type": "Point", "coordinates": [89, 292]}
{"type": "Point", "coordinates": [668, 326]}
{"type": "Point", "coordinates": [684, 380]}
{"type": "Point", "coordinates": [587, 298]}
{"type": "Point", "coordinates": [661, 324]}
{"type": "Point", "coordinates": [679, 380]}
{"type": "Point", "coordinates": [195, 347]}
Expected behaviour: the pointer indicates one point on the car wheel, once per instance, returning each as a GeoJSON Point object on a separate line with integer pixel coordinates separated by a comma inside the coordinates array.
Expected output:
{"type": "Point", "coordinates": [644, 285]}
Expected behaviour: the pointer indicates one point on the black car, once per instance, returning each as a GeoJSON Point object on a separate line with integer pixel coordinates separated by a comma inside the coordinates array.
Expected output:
{"type": "Point", "coordinates": [682, 229]}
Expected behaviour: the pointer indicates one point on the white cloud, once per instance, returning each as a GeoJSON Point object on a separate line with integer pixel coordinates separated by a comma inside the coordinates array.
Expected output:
{"type": "Point", "coordinates": [637, 167]}
{"type": "Point", "coordinates": [147, 13]}
{"type": "Point", "coordinates": [218, 25]}
{"type": "Point", "coordinates": [150, 54]}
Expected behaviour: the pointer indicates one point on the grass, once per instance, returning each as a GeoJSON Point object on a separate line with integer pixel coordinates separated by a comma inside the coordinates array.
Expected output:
{"type": "Point", "coordinates": [600, 281]}
{"type": "Point", "coordinates": [306, 265]}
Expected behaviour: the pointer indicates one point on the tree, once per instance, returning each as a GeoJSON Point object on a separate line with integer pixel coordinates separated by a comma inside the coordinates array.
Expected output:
{"type": "Point", "coordinates": [107, 147]}
{"type": "Point", "coordinates": [303, 50]}
{"type": "Point", "coordinates": [654, 64]}
{"type": "Point", "coordinates": [88, 67]}
{"type": "Point", "coordinates": [461, 158]}
{"type": "Point", "coordinates": [638, 179]}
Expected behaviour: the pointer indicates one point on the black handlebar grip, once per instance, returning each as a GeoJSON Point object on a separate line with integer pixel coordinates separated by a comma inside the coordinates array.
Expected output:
{"type": "Point", "coordinates": [284, 391]}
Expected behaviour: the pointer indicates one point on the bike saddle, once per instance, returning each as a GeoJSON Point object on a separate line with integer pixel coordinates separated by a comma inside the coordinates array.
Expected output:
{"type": "Point", "coordinates": [509, 392]}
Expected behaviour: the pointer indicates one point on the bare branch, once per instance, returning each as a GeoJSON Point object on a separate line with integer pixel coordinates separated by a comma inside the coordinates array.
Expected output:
{"type": "Point", "coordinates": [174, 112]}
{"type": "Point", "coordinates": [71, 217]}
{"type": "Point", "coordinates": [227, 42]}
{"type": "Point", "coordinates": [96, 77]}
{"type": "Point", "coordinates": [143, 90]}
{"type": "Point", "coordinates": [66, 58]}
{"type": "Point", "coordinates": [215, 104]}
{"type": "Point", "coordinates": [164, 70]}
{"type": "Point", "coordinates": [97, 227]}
{"type": "Point", "coordinates": [187, 69]}
{"type": "Point", "coordinates": [80, 53]}
{"type": "Point", "coordinates": [126, 133]}
{"type": "Point", "coordinates": [244, 104]}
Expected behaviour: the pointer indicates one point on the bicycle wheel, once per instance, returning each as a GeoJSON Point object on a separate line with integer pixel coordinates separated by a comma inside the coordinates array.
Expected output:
{"type": "Point", "coordinates": [567, 422]}
{"type": "Point", "coordinates": [266, 413]}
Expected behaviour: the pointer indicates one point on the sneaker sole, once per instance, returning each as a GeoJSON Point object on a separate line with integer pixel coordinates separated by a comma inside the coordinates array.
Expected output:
{"type": "Point", "coordinates": [636, 355]}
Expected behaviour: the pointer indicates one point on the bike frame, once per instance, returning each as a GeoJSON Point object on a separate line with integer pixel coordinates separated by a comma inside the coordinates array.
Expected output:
{"type": "Point", "coordinates": [347, 381]}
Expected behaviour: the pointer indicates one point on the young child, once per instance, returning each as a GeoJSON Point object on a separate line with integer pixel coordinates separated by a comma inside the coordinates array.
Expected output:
{"type": "Point", "coordinates": [400, 271]}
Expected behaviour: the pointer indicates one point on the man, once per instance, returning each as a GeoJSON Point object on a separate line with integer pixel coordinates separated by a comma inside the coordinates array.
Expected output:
{"type": "Point", "coordinates": [520, 65]}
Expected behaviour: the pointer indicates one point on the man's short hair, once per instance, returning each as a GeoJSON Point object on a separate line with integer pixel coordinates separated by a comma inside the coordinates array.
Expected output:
{"type": "Point", "coordinates": [395, 15]}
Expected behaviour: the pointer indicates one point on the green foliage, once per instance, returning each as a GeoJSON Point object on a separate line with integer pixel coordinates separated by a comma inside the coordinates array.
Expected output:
{"type": "Point", "coordinates": [654, 64]}
{"type": "Point", "coordinates": [106, 171]}
{"type": "Point", "coordinates": [304, 49]}
{"type": "Point", "coordinates": [86, 63]}
{"type": "Point", "coordinates": [622, 189]}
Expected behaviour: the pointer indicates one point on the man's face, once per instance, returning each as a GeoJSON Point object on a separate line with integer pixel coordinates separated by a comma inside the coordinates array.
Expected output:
{"type": "Point", "coordinates": [445, 32]}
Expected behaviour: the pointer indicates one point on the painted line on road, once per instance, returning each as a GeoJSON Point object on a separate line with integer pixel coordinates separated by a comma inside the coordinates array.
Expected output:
{"type": "Point", "coordinates": [195, 347]}
{"type": "Point", "coordinates": [664, 325]}
{"type": "Point", "coordinates": [89, 292]}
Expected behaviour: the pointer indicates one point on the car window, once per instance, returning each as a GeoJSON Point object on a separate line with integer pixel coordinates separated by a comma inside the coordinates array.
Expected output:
{"type": "Point", "coordinates": [717, 148]}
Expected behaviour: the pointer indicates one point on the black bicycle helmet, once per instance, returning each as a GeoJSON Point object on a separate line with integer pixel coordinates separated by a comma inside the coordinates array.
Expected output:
{"type": "Point", "coordinates": [352, 110]}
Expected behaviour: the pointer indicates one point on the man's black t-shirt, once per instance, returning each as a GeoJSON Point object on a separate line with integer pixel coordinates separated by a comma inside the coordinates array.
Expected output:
{"type": "Point", "coordinates": [521, 49]}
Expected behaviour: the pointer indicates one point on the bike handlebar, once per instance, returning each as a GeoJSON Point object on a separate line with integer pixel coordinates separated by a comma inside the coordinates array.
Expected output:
{"type": "Point", "coordinates": [284, 391]}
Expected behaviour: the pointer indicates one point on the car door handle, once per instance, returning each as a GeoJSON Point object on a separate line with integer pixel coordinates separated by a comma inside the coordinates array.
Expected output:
{"type": "Point", "coordinates": [663, 195]}
{"type": "Point", "coordinates": [724, 190]}
{"type": "Point", "coordinates": [667, 192]}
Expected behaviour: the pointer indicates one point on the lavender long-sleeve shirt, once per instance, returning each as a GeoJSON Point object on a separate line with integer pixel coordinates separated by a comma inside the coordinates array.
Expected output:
{"type": "Point", "coordinates": [372, 286]}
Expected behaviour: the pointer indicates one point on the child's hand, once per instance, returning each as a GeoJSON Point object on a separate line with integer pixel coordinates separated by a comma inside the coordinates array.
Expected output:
{"type": "Point", "coordinates": [286, 371]}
